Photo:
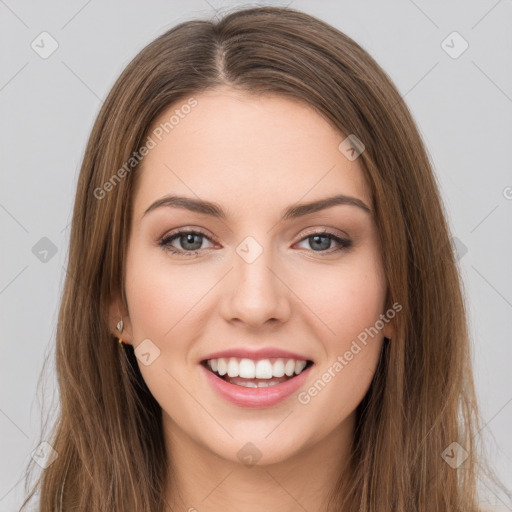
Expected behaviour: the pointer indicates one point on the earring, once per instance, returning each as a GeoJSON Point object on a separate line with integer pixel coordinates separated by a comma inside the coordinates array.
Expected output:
{"type": "Point", "coordinates": [120, 325]}
{"type": "Point", "coordinates": [120, 329]}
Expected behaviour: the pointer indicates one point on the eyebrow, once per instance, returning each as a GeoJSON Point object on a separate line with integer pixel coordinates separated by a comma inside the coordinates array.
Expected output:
{"type": "Point", "coordinates": [292, 212]}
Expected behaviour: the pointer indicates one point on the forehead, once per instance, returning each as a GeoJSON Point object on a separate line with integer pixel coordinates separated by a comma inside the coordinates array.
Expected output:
{"type": "Point", "coordinates": [246, 151]}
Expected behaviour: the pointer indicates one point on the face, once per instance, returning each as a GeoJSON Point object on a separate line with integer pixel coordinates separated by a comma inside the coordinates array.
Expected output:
{"type": "Point", "coordinates": [255, 283]}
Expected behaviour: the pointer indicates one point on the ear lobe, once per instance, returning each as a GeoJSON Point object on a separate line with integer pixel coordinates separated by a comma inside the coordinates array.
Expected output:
{"type": "Point", "coordinates": [119, 321]}
{"type": "Point", "coordinates": [389, 330]}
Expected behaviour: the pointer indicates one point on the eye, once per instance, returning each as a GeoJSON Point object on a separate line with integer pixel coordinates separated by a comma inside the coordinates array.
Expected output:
{"type": "Point", "coordinates": [321, 242]}
{"type": "Point", "coordinates": [191, 241]}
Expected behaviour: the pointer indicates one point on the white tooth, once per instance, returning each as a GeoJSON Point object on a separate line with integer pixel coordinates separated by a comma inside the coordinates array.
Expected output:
{"type": "Point", "coordinates": [263, 369]}
{"type": "Point", "coordinates": [268, 384]}
{"type": "Point", "coordinates": [289, 368]}
{"type": "Point", "coordinates": [222, 366]}
{"type": "Point", "coordinates": [233, 367]}
{"type": "Point", "coordinates": [299, 366]}
{"type": "Point", "coordinates": [278, 368]}
{"type": "Point", "coordinates": [248, 384]}
{"type": "Point", "coordinates": [247, 369]}
{"type": "Point", "coordinates": [264, 384]}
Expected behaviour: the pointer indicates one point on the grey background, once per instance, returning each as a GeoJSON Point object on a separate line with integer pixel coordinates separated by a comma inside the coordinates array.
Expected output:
{"type": "Point", "coordinates": [462, 106]}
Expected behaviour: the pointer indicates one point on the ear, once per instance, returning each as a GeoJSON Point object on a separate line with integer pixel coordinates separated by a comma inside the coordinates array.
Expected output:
{"type": "Point", "coordinates": [118, 312]}
{"type": "Point", "coordinates": [389, 330]}
{"type": "Point", "coordinates": [390, 313]}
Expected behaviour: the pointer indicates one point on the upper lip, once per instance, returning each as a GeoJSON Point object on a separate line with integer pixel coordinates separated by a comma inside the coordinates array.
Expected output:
{"type": "Point", "coordinates": [262, 353]}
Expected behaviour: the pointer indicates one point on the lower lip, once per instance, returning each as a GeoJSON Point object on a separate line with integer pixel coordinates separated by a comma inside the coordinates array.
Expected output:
{"type": "Point", "coordinates": [256, 397]}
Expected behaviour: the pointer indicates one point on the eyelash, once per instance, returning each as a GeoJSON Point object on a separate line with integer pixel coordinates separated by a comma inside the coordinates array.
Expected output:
{"type": "Point", "coordinates": [165, 242]}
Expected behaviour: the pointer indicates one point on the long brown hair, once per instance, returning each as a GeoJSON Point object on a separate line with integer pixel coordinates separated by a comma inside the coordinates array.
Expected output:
{"type": "Point", "coordinates": [108, 434]}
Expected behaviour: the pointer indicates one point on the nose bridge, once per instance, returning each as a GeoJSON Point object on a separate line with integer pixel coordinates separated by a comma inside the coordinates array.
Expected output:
{"type": "Point", "coordinates": [256, 293]}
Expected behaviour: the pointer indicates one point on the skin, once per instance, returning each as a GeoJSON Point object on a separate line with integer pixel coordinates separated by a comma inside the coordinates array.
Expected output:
{"type": "Point", "coordinates": [255, 156]}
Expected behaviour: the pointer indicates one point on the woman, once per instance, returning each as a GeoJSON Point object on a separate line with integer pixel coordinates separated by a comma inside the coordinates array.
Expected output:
{"type": "Point", "coordinates": [257, 222]}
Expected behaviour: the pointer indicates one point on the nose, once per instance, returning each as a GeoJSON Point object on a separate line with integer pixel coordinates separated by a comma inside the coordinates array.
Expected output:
{"type": "Point", "coordinates": [255, 293]}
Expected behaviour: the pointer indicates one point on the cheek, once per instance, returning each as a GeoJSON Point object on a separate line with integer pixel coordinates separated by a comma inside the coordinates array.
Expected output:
{"type": "Point", "coordinates": [160, 294]}
{"type": "Point", "coordinates": [356, 301]}
{"type": "Point", "coordinates": [161, 302]}
{"type": "Point", "coordinates": [150, 295]}
{"type": "Point", "coordinates": [346, 299]}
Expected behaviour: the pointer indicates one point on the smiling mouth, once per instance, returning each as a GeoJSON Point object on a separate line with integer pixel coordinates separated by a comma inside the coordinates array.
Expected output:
{"type": "Point", "coordinates": [256, 374]}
